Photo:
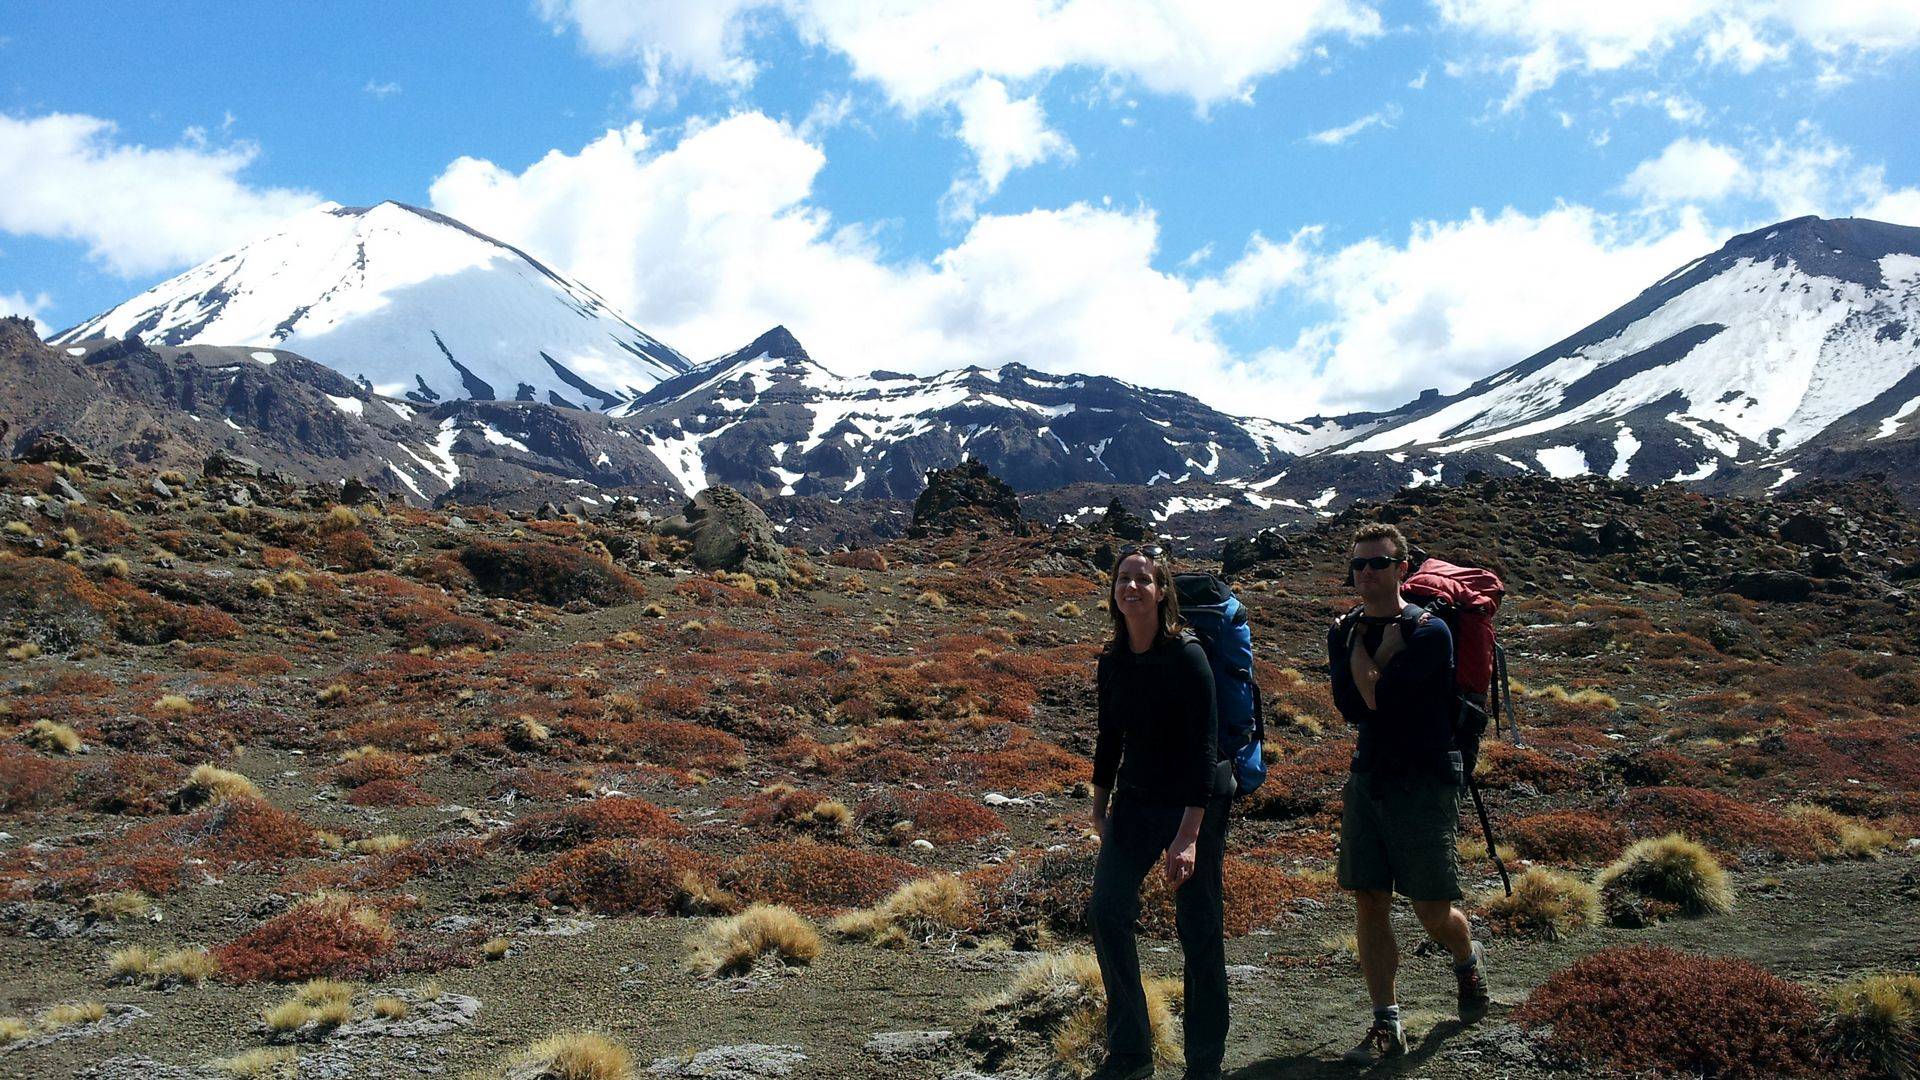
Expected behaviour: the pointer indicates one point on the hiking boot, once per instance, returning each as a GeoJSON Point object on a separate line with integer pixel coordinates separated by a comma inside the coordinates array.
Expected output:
{"type": "Point", "coordinates": [1383, 1040]}
{"type": "Point", "coordinates": [1124, 1069]}
{"type": "Point", "coordinates": [1473, 987]}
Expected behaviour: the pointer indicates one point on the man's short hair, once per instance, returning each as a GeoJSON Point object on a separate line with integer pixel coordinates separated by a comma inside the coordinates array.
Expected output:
{"type": "Point", "coordinates": [1380, 530]}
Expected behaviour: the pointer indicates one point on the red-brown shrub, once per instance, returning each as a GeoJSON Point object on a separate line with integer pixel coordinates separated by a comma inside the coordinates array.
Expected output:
{"type": "Point", "coordinates": [1567, 837]}
{"type": "Point", "coordinates": [1643, 1009]}
{"type": "Point", "coordinates": [662, 742]}
{"type": "Point", "coordinates": [616, 877]}
{"type": "Point", "coordinates": [814, 877]}
{"type": "Point", "coordinates": [1504, 765]}
{"type": "Point", "coordinates": [432, 857]}
{"type": "Point", "coordinates": [413, 734]}
{"type": "Point", "coordinates": [1028, 764]}
{"type": "Point", "coordinates": [539, 572]}
{"type": "Point", "coordinates": [128, 784]}
{"type": "Point", "coordinates": [868, 559]}
{"type": "Point", "coordinates": [1734, 827]}
{"type": "Point", "coordinates": [324, 937]}
{"type": "Point", "coordinates": [436, 627]}
{"type": "Point", "coordinates": [938, 816]}
{"type": "Point", "coordinates": [614, 817]}
{"type": "Point", "coordinates": [29, 781]}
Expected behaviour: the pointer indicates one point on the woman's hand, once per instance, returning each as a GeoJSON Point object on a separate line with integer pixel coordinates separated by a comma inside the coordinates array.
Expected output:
{"type": "Point", "coordinates": [1100, 823]}
{"type": "Point", "coordinates": [1180, 856]}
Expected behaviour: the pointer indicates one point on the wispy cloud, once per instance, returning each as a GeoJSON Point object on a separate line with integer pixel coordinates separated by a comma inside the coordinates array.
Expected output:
{"type": "Point", "coordinates": [381, 89]}
{"type": "Point", "coordinates": [1385, 118]}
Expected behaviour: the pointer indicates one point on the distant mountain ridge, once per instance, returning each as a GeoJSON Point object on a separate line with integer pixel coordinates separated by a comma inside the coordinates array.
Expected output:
{"type": "Point", "coordinates": [1789, 354]}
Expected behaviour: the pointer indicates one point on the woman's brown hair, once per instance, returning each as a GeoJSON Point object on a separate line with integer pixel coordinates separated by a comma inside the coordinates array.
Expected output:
{"type": "Point", "coordinates": [1169, 624]}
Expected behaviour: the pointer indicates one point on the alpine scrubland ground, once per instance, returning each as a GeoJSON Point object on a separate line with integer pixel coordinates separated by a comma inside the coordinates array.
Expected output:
{"type": "Point", "coordinates": [295, 788]}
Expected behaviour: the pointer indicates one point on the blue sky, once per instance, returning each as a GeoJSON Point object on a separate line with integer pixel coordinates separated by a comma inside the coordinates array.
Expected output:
{"type": "Point", "coordinates": [1282, 208]}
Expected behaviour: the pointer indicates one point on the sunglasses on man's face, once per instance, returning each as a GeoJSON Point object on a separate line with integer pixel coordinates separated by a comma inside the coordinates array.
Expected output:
{"type": "Point", "coordinates": [1375, 562]}
{"type": "Point", "coordinates": [1151, 551]}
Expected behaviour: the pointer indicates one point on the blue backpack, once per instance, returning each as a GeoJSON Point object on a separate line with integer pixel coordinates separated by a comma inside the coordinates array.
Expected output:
{"type": "Point", "coordinates": [1219, 620]}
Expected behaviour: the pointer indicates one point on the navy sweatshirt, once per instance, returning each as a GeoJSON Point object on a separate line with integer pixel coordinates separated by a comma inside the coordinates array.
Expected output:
{"type": "Point", "coordinates": [1157, 730]}
{"type": "Point", "coordinates": [1412, 729]}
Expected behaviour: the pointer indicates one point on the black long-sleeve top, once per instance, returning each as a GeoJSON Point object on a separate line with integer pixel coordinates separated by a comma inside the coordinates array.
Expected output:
{"type": "Point", "coordinates": [1157, 729]}
{"type": "Point", "coordinates": [1412, 729]}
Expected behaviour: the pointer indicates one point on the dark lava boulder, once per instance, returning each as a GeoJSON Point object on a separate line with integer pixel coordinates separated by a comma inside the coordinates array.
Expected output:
{"type": "Point", "coordinates": [1776, 585]}
{"type": "Point", "coordinates": [966, 496]}
{"type": "Point", "coordinates": [1240, 554]}
{"type": "Point", "coordinates": [730, 533]}
{"type": "Point", "coordinates": [1121, 522]}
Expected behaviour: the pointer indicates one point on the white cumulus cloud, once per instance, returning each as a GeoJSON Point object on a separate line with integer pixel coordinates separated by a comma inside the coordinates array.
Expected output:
{"type": "Point", "coordinates": [19, 303]}
{"type": "Point", "coordinates": [1555, 37]}
{"type": "Point", "coordinates": [1688, 170]}
{"type": "Point", "coordinates": [1004, 134]}
{"type": "Point", "coordinates": [139, 210]}
{"type": "Point", "coordinates": [712, 239]}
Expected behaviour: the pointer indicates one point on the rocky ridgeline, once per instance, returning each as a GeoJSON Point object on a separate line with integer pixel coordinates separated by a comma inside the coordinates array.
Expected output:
{"type": "Point", "coordinates": [1851, 539]}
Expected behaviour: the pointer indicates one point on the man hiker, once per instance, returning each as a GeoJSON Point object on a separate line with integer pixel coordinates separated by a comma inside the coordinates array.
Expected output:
{"type": "Point", "coordinates": [1392, 670]}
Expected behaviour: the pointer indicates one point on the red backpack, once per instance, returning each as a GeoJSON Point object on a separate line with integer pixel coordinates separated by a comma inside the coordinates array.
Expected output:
{"type": "Point", "coordinates": [1467, 598]}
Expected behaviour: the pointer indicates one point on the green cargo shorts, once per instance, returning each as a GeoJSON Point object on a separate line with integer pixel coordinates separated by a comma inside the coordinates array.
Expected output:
{"type": "Point", "coordinates": [1398, 834]}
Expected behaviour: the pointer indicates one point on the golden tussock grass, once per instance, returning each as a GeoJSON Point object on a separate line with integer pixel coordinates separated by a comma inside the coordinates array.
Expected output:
{"type": "Point", "coordinates": [378, 845]}
{"type": "Point", "coordinates": [126, 904]}
{"type": "Point", "coordinates": [1838, 836]}
{"type": "Point", "coordinates": [1674, 870]}
{"type": "Point", "coordinates": [1060, 996]}
{"type": "Point", "coordinates": [1545, 904]}
{"type": "Point", "coordinates": [26, 650]}
{"type": "Point", "coordinates": [580, 1055]}
{"type": "Point", "coordinates": [53, 738]}
{"type": "Point", "coordinates": [174, 705]}
{"type": "Point", "coordinates": [264, 1063]}
{"type": "Point", "coordinates": [1877, 1018]}
{"type": "Point", "coordinates": [915, 911]}
{"type": "Point", "coordinates": [731, 946]}
{"type": "Point", "coordinates": [1068, 610]}
{"type": "Point", "coordinates": [333, 694]}
{"type": "Point", "coordinates": [208, 784]}
{"type": "Point", "coordinates": [389, 1008]}
{"type": "Point", "coordinates": [496, 948]}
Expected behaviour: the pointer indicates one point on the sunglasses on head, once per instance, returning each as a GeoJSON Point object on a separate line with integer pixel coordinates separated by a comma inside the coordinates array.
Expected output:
{"type": "Point", "coordinates": [1376, 562]}
{"type": "Point", "coordinates": [1151, 551]}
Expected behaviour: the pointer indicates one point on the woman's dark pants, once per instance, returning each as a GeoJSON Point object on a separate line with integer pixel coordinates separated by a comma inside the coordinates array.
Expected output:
{"type": "Point", "coordinates": [1137, 836]}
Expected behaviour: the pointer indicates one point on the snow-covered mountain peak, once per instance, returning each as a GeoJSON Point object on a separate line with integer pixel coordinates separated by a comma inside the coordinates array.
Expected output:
{"type": "Point", "coordinates": [409, 301]}
{"type": "Point", "coordinates": [1752, 351]}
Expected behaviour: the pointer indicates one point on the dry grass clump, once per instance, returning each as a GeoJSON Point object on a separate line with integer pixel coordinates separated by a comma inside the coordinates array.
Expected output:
{"type": "Point", "coordinates": [181, 967]}
{"type": "Point", "coordinates": [125, 904]}
{"type": "Point", "coordinates": [263, 1063]}
{"type": "Point", "coordinates": [934, 599]}
{"type": "Point", "coordinates": [26, 650]}
{"type": "Point", "coordinates": [384, 844]}
{"type": "Point", "coordinates": [14, 1028]}
{"type": "Point", "coordinates": [731, 946]}
{"type": "Point", "coordinates": [1838, 836]}
{"type": "Point", "coordinates": [942, 905]}
{"type": "Point", "coordinates": [1545, 904]}
{"type": "Point", "coordinates": [1068, 610]}
{"type": "Point", "coordinates": [584, 1055]}
{"type": "Point", "coordinates": [496, 948]}
{"type": "Point", "coordinates": [322, 935]}
{"type": "Point", "coordinates": [324, 1004]}
{"type": "Point", "coordinates": [207, 784]}
{"type": "Point", "coordinates": [173, 706]}
{"type": "Point", "coordinates": [389, 1008]}
{"type": "Point", "coordinates": [1672, 871]}
{"type": "Point", "coordinates": [1876, 1019]}
{"type": "Point", "coordinates": [1060, 997]}
{"type": "Point", "coordinates": [1637, 1009]}
{"type": "Point", "coordinates": [333, 694]}
{"type": "Point", "coordinates": [53, 738]}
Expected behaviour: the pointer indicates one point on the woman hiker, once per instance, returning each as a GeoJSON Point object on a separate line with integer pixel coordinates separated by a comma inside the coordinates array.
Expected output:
{"type": "Point", "coordinates": [1158, 797]}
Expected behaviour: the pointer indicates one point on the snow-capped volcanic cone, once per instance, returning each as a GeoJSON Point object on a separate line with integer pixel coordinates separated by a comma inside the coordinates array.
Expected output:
{"type": "Point", "coordinates": [1785, 340]}
{"type": "Point", "coordinates": [412, 303]}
